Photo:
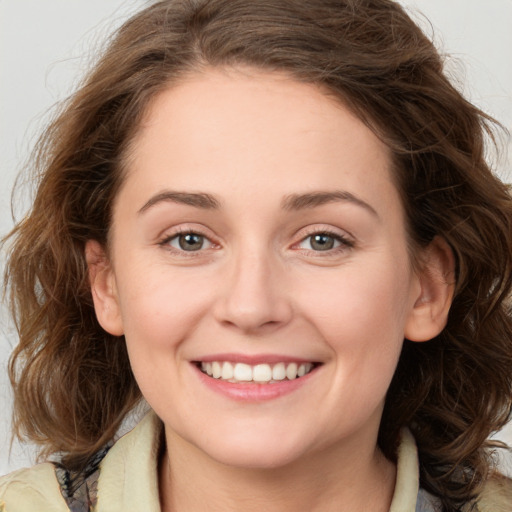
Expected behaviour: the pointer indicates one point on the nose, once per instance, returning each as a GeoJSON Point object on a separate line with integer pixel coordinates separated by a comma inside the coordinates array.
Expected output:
{"type": "Point", "coordinates": [254, 297]}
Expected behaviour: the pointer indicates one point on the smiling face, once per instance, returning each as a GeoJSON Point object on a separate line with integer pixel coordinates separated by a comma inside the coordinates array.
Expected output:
{"type": "Point", "coordinates": [259, 270]}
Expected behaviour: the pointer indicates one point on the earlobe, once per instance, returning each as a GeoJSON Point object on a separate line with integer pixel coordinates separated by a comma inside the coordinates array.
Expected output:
{"type": "Point", "coordinates": [103, 289]}
{"type": "Point", "coordinates": [436, 276]}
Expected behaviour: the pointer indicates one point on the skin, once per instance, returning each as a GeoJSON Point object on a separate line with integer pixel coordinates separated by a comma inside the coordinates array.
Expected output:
{"type": "Point", "coordinates": [253, 141]}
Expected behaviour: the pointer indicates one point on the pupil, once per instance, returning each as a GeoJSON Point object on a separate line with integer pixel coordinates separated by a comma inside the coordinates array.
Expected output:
{"type": "Point", "coordinates": [191, 242]}
{"type": "Point", "coordinates": [322, 242]}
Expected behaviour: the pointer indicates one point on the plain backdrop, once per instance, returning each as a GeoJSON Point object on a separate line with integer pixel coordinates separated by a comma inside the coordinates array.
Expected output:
{"type": "Point", "coordinates": [46, 45]}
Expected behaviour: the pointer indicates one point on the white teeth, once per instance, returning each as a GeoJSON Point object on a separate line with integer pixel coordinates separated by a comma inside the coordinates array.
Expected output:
{"type": "Point", "coordinates": [243, 372]}
{"type": "Point", "coordinates": [216, 370]}
{"type": "Point", "coordinates": [291, 371]}
{"type": "Point", "coordinates": [262, 373]}
{"type": "Point", "coordinates": [227, 371]}
{"type": "Point", "coordinates": [279, 372]}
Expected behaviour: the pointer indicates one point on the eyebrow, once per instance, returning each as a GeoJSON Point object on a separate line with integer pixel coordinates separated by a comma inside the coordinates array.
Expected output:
{"type": "Point", "coordinates": [291, 202]}
{"type": "Point", "coordinates": [314, 199]}
{"type": "Point", "coordinates": [196, 199]}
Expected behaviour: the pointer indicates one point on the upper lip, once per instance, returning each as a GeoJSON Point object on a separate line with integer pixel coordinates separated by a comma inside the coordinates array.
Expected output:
{"type": "Point", "coordinates": [253, 359]}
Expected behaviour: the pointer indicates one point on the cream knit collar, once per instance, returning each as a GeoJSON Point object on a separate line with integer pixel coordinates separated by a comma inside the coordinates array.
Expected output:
{"type": "Point", "coordinates": [128, 477]}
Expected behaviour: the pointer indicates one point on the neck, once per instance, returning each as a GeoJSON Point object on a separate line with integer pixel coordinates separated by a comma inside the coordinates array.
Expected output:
{"type": "Point", "coordinates": [350, 476]}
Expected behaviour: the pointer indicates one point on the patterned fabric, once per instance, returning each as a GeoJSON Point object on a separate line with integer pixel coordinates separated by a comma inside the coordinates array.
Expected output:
{"type": "Point", "coordinates": [80, 489]}
{"type": "Point", "coordinates": [427, 503]}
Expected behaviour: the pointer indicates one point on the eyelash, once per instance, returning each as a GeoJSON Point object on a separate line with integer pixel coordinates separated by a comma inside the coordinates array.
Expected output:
{"type": "Point", "coordinates": [166, 242]}
{"type": "Point", "coordinates": [344, 242]}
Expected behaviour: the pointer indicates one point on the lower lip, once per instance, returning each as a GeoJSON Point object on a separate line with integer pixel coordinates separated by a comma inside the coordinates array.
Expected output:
{"type": "Point", "coordinates": [253, 391]}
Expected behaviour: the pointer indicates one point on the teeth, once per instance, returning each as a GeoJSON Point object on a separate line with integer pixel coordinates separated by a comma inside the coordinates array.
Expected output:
{"type": "Point", "coordinates": [263, 373]}
{"type": "Point", "coordinates": [216, 370]}
{"type": "Point", "coordinates": [279, 372]}
{"type": "Point", "coordinates": [243, 372]}
{"type": "Point", "coordinates": [227, 371]}
{"type": "Point", "coordinates": [291, 371]}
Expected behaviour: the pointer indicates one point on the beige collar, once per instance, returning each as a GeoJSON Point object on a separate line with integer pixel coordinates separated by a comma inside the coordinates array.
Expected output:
{"type": "Point", "coordinates": [128, 477]}
{"type": "Point", "coordinates": [407, 475]}
{"type": "Point", "coordinates": [128, 474]}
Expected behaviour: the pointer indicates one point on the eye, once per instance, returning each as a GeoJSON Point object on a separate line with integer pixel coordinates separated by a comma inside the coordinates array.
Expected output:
{"type": "Point", "coordinates": [320, 242]}
{"type": "Point", "coordinates": [323, 242]}
{"type": "Point", "coordinates": [189, 242]}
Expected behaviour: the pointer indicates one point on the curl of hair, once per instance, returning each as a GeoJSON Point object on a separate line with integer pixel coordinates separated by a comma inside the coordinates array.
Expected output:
{"type": "Point", "coordinates": [72, 381]}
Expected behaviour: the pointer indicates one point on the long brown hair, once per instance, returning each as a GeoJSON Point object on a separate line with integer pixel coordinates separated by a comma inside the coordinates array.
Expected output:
{"type": "Point", "coordinates": [72, 381]}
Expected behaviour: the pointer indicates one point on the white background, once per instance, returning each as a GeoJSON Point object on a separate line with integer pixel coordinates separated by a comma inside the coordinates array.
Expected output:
{"type": "Point", "coordinates": [46, 44]}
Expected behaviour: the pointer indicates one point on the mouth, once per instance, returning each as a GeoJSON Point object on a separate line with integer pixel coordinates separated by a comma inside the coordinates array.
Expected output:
{"type": "Point", "coordinates": [239, 373]}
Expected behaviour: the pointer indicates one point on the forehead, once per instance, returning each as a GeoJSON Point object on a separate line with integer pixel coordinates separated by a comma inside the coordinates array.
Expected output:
{"type": "Point", "coordinates": [249, 128]}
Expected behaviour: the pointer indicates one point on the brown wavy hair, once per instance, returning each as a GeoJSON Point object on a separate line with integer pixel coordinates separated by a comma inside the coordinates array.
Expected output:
{"type": "Point", "coordinates": [72, 381]}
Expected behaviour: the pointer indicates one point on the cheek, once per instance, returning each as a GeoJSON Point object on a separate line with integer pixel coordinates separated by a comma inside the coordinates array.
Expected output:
{"type": "Point", "coordinates": [160, 306]}
{"type": "Point", "coordinates": [161, 309]}
{"type": "Point", "coordinates": [360, 299]}
{"type": "Point", "coordinates": [361, 314]}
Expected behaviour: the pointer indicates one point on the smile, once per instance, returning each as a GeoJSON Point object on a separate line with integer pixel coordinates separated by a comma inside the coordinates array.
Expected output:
{"type": "Point", "coordinates": [260, 373]}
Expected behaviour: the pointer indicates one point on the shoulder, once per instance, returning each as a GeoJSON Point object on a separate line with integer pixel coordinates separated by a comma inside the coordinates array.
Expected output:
{"type": "Point", "coordinates": [496, 495]}
{"type": "Point", "coordinates": [125, 478]}
{"type": "Point", "coordinates": [28, 490]}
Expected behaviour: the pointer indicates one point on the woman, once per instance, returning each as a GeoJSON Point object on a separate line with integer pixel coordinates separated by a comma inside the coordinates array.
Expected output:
{"type": "Point", "coordinates": [271, 220]}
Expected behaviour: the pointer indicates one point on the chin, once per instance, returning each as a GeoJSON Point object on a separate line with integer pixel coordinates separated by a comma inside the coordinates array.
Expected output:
{"type": "Point", "coordinates": [254, 457]}
{"type": "Point", "coordinates": [254, 450]}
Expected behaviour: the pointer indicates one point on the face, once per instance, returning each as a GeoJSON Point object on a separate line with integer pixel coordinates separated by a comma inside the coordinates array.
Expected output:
{"type": "Point", "coordinates": [259, 269]}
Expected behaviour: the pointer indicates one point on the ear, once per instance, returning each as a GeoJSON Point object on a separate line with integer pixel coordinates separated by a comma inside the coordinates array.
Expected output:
{"type": "Point", "coordinates": [436, 277]}
{"type": "Point", "coordinates": [103, 288]}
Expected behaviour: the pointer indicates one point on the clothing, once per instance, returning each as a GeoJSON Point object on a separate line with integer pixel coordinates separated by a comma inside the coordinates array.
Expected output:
{"type": "Point", "coordinates": [127, 480]}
